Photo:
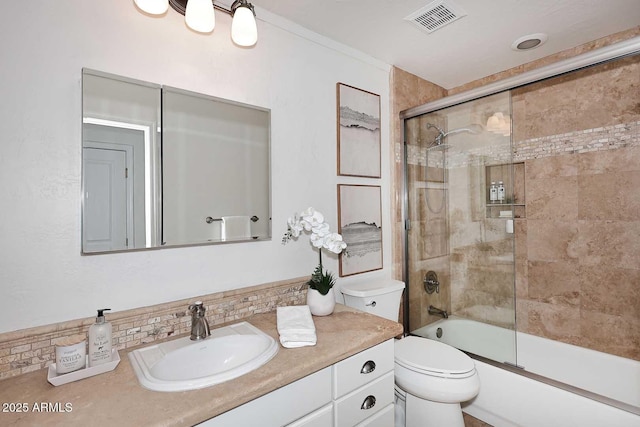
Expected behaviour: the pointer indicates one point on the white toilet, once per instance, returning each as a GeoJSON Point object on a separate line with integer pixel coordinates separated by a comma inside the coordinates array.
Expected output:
{"type": "Point", "coordinates": [432, 378]}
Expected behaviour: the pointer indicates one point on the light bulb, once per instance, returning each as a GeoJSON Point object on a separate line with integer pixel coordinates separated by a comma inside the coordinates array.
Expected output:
{"type": "Point", "coordinates": [199, 16]}
{"type": "Point", "coordinates": [153, 7]}
{"type": "Point", "coordinates": [493, 123]}
{"type": "Point", "coordinates": [243, 27]}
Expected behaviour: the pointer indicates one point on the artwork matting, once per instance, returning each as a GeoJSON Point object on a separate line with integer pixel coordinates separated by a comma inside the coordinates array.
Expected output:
{"type": "Point", "coordinates": [360, 223]}
{"type": "Point", "coordinates": [358, 132]}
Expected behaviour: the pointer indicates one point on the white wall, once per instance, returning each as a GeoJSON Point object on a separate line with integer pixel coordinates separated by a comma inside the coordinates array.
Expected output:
{"type": "Point", "coordinates": [43, 277]}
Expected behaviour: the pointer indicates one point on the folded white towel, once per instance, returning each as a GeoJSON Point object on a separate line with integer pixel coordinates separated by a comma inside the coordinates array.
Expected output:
{"type": "Point", "coordinates": [235, 228]}
{"type": "Point", "coordinates": [295, 326]}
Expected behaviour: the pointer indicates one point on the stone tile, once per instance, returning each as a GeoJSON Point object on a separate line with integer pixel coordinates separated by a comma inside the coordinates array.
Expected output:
{"type": "Point", "coordinates": [554, 322]}
{"type": "Point", "coordinates": [20, 348]}
{"type": "Point", "coordinates": [552, 199]}
{"type": "Point", "coordinates": [551, 240]}
{"type": "Point", "coordinates": [556, 283]}
{"type": "Point", "coordinates": [616, 101]}
{"type": "Point", "coordinates": [612, 291]}
{"type": "Point", "coordinates": [551, 167]}
{"type": "Point", "coordinates": [620, 160]}
{"type": "Point", "coordinates": [522, 315]}
{"type": "Point", "coordinates": [521, 273]}
{"type": "Point", "coordinates": [611, 334]}
{"type": "Point", "coordinates": [496, 281]}
{"type": "Point", "coordinates": [611, 195]}
{"type": "Point", "coordinates": [614, 244]}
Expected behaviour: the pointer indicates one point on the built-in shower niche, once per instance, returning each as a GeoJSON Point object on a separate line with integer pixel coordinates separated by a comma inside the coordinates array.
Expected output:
{"type": "Point", "coordinates": [513, 178]}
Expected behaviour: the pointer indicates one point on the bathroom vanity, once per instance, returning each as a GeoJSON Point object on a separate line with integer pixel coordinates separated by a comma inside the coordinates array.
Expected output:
{"type": "Point", "coordinates": [307, 386]}
{"type": "Point", "coordinates": [354, 391]}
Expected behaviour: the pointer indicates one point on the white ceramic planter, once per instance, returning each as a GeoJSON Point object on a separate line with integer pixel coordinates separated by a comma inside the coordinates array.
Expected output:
{"type": "Point", "coordinates": [321, 305]}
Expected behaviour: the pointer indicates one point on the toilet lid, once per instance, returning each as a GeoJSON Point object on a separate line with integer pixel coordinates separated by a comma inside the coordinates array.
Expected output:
{"type": "Point", "coordinates": [433, 357]}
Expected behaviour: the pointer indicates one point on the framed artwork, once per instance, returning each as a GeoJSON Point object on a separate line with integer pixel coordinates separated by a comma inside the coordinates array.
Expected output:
{"type": "Point", "coordinates": [358, 132]}
{"type": "Point", "coordinates": [360, 223]}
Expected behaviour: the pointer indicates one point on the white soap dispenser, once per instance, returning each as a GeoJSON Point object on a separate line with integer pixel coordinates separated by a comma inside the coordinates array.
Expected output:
{"type": "Point", "coordinates": [501, 192]}
{"type": "Point", "coordinates": [100, 340]}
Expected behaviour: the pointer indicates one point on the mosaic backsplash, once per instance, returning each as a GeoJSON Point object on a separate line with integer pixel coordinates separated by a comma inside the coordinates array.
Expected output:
{"type": "Point", "coordinates": [33, 349]}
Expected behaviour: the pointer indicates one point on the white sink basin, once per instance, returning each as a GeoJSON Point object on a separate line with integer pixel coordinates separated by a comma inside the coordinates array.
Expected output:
{"type": "Point", "coordinates": [183, 364]}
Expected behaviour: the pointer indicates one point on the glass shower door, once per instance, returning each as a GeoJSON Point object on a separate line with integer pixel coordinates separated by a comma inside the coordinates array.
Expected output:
{"type": "Point", "coordinates": [462, 198]}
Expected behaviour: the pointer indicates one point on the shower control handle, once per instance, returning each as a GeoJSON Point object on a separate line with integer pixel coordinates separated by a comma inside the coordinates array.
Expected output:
{"type": "Point", "coordinates": [431, 283]}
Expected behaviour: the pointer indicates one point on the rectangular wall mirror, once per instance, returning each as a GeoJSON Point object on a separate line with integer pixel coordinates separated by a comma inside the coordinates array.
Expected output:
{"type": "Point", "coordinates": [164, 167]}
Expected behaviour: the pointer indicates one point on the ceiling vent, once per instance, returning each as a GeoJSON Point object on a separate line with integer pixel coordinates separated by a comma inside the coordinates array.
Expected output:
{"type": "Point", "coordinates": [436, 15]}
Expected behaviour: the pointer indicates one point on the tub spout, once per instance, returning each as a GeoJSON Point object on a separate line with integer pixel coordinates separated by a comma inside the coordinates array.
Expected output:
{"type": "Point", "coordinates": [438, 312]}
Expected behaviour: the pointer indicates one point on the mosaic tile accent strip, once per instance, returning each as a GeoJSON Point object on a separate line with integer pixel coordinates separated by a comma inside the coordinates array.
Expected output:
{"type": "Point", "coordinates": [32, 349]}
{"type": "Point", "coordinates": [582, 141]}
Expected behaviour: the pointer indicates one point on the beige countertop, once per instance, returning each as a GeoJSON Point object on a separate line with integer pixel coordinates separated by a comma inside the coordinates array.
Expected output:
{"type": "Point", "coordinates": [116, 398]}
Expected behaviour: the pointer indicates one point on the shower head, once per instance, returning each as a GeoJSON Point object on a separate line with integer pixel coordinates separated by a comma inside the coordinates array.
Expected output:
{"type": "Point", "coordinates": [438, 140]}
{"type": "Point", "coordinates": [473, 129]}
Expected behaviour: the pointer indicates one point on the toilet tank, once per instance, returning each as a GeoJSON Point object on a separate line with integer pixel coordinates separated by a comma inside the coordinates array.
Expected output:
{"type": "Point", "coordinates": [377, 296]}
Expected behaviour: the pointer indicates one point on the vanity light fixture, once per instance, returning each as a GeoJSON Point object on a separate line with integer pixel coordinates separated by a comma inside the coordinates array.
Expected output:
{"type": "Point", "coordinates": [199, 16]}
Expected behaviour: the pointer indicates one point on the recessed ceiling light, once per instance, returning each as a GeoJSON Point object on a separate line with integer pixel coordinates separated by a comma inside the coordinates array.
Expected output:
{"type": "Point", "coordinates": [529, 42]}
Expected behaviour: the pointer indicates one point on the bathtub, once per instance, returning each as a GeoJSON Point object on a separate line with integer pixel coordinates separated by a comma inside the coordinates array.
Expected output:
{"type": "Point", "coordinates": [554, 384]}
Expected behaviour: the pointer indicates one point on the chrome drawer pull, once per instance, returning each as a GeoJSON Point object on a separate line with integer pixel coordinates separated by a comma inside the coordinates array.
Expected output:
{"type": "Point", "coordinates": [369, 402]}
{"type": "Point", "coordinates": [368, 367]}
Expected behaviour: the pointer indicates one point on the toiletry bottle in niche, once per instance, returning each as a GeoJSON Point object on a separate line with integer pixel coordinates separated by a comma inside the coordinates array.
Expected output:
{"type": "Point", "coordinates": [500, 192]}
{"type": "Point", "coordinates": [493, 192]}
{"type": "Point", "coordinates": [100, 340]}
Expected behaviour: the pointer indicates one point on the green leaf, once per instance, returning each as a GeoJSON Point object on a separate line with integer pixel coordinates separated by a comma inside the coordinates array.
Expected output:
{"type": "Point", "coordinates": [321, 281]}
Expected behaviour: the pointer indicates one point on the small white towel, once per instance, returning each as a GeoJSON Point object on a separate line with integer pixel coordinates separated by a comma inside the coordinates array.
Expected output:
{"type": "Point", "coordinates": [235, 227]}
{"type": "Point", "coordinates": [295, 326]}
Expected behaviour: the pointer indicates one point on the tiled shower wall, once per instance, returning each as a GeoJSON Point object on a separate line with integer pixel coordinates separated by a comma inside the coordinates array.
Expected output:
{"type": "Point", "coordinates": [578, 249]}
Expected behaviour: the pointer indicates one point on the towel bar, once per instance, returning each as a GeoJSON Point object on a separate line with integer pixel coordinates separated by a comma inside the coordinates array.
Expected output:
{"type": "Point", "coordinates": [209, 219]}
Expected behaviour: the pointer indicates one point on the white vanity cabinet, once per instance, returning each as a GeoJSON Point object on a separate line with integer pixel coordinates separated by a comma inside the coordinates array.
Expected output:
{"type": "Point", "coordinates": [357, 391]}
{"type": "Point", "coordinates": [363, 387]}
{"type": "Point", "coordinates": [281, 406]}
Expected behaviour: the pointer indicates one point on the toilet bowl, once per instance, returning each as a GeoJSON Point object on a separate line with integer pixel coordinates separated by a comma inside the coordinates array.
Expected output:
{"type": "Point", "coordinates": [432, 378]}
{"type": "Point", "coordinates": [436, 379]}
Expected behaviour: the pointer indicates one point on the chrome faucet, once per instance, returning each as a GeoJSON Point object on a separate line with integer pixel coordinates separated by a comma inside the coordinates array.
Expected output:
{"type": "Point", "coordinates": [199, 325]}
{"type": "Point", "coordinates": [438, 312]}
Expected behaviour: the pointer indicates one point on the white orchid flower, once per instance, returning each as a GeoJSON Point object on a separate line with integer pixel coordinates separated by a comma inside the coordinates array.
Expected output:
{"type": "Point", "coordinates": [295, 227]}
{"type": "Point", "coordinates": [321, 229]}
{"type": "Point", "coordinates": [334, 243]}
{"type": "Point", "coordinates": [311, 218]}
{"type": "Point", "coordinates": [321, 237]}
{"type": "Point", "coordinates": [317, 240]}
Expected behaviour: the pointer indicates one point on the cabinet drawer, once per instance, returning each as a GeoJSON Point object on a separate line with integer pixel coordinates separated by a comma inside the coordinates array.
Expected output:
{"type": "Point", "coordinates": [384, 418]}
{"type": "Point", "coordinates": [282, 406]}
{"type": "Point", "coordinates": [321, 418]}
{"type": "Point", "coordinates": [362, 368]}
{"type": "Point", "coordinates": [352, 408]}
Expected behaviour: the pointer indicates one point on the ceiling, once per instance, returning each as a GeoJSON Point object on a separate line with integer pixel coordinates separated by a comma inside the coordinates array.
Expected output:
{"type": "Point", "coordinates": [477, 45]}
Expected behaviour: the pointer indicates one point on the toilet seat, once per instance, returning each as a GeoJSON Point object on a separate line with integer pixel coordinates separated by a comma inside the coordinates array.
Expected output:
{"type": "Point", "coordinates": [433, 358]}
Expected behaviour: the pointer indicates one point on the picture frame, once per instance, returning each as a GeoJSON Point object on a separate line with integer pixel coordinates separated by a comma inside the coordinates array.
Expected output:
{"type": "Point", "coordinates": [360, 223]}
{"type": "Point", "coordinates": [358, 123]}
